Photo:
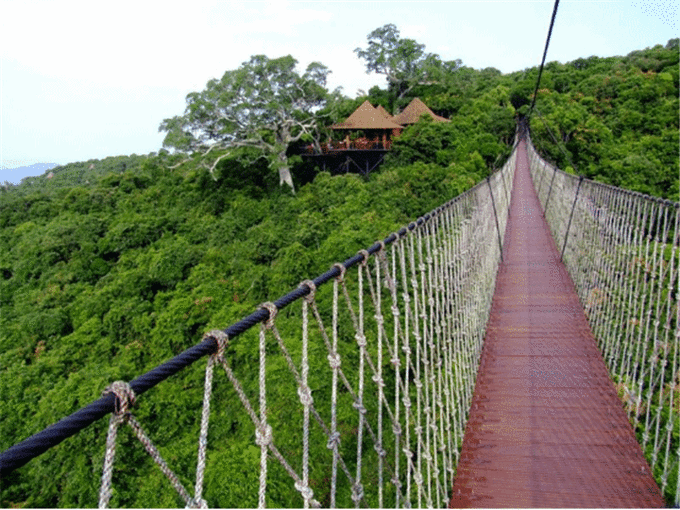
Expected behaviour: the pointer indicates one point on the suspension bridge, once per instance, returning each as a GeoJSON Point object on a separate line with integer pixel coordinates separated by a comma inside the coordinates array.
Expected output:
{"type": "Point", "coordinates": [502, 350]}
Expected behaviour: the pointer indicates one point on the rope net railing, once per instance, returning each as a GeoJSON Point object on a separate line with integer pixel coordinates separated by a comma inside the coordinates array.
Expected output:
{"type": "Point", "coordinates": [363, 389]}
{"type": "Point", "coordinates": [621, 250]}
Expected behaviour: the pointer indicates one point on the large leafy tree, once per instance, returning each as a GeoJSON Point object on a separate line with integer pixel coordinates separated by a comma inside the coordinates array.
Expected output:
{"type": "Point", "coordinates": [404, 62]}
{"type": "Point", "coordinates": [265, 105]}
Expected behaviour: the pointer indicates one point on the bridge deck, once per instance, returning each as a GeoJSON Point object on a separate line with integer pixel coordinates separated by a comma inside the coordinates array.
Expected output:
{"type": "Point", "coordinates": [546, 427]}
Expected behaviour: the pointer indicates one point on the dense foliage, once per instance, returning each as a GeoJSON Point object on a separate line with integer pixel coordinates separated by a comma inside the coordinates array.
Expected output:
{"type": "Point", "coordinates": [110, 268]}
{"type": "Point", "coordinates": [616, 119]}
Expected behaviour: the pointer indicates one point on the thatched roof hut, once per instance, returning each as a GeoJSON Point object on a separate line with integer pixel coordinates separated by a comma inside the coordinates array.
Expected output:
{"type": "Point", "coordinates": [412, 113]}
{"type": "Point", "coordinates": [367, 117]}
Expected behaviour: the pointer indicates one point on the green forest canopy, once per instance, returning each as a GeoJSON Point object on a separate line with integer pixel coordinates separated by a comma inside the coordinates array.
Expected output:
{"type": "Point", "coordinates": [112, 267]}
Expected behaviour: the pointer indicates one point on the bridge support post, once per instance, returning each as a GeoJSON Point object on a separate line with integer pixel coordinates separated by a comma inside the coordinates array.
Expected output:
{"type": "Point", "coordinates": [571, 215]}
{"type": "Point", "coordinates": [547, 200]}
{"type": "Point", "coordinates": [495, 215]}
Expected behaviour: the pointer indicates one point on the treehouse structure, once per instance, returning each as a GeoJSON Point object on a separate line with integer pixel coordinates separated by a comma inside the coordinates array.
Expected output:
{"type": "Point", "coordinates": [368, 135]}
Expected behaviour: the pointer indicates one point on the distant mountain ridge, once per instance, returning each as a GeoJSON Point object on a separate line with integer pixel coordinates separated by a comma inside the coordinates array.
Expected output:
{"type": "Point", "coordinates": [34, 178]}
{"type": "Point", "coordinates": [16, 174]}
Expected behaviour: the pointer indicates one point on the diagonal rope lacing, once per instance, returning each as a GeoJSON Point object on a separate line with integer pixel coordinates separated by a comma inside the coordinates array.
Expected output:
{"type": "Point", "coordinates": [621, 249]}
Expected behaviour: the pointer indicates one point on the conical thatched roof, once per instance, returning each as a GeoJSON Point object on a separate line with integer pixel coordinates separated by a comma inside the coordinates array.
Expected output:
{"type": "Point", "coordinates": [414, 111]}
{"type": "Point", "coordinates": [367, 117]}
{"type": "Point", "coordinates": [382, 110]}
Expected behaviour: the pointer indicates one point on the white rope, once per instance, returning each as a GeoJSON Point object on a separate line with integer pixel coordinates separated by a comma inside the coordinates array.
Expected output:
{"type": "Point", "coordinates": [125, 398]}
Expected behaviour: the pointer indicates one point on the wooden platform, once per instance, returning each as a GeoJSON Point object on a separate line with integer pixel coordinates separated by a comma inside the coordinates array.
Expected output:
{"type": "Point", "coordinates": [546, 428]}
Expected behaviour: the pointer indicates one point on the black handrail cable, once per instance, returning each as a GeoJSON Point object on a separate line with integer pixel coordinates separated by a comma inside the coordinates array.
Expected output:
{"type": "Point", "coordinates": [545, 54]}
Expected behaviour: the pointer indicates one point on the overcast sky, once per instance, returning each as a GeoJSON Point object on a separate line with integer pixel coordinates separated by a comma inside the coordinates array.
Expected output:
{"type": "Point", "coordinates": [82, 80]}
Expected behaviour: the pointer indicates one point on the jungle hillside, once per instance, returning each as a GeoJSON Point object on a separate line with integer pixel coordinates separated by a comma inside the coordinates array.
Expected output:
{"type": "Point", "coordinates": [111, 267]}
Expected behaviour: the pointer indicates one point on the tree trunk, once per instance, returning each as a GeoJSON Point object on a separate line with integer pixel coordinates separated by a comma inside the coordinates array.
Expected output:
{"type": "Point", "coordinates": [284, 171]}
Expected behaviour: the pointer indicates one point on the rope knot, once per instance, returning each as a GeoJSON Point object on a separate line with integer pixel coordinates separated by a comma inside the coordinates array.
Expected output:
{"type": "Point", "coordinates": [359, 407]}
{"type": "Point", "coordinates": [396, 363]}
{"type": "Point", "coordinates": [379, 319]}
{"type": "Point", "coordinates": [361, 340]}
{"type": "Point", "coordinates": [380, 450]}
{"type": "Point", "coordinates": [125, 396]}
{"type": "Point", "coordinates": [222, 340]}
{"type": "Point", "coordinates": [312, 289]}
{"type": "Point", "coordinates": [378, 380]}
{"type": "Point", "coordinates": [333, 440]}
{"type": "Point", "coordinates": [264, 435]}
{"type": "Point", "coordinates": [334, 361]}
{"type": "Point", "coordinates": [342, 269]}
{"type": "Point", "coordinates": [305, 395]}
{"type": "Point", "coordinates": [357, 492]}
{"type": "Point", "coordinates": [271, 308]}
{"type": "Point", "coordinates": [395, 310]}
{"type": "Point", "coordinates": [305, 491]}
{"type": "Point", "coordinates": [197, 503]}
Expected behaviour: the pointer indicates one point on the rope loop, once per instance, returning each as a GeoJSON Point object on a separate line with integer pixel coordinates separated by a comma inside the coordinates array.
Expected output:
{"type": "Point", "coordinates": [397, 236]}
{"type": "Point", "coordinates": [271, 308]}
{"type": "Point", "coordinates": [125, 396]}
{"type": "Point", "coordinates": [365, 255]}
{"type": "Point", "coordinates": [341, 277]}
{"type": "Point", "coordinates": [222, 340]}
{"type": "Point", "coordinates": [312, 289]}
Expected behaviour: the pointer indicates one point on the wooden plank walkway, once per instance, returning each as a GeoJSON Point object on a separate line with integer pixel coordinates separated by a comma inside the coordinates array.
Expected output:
{"type": "Point", "coordinates": [546, 427]}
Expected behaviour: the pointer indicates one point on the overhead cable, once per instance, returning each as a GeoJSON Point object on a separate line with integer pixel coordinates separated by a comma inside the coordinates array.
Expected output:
{"type": "Point", "coordinates": [545, 54]}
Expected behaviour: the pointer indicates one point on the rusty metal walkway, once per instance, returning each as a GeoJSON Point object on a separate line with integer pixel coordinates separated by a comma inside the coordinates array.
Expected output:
{"type": "Point", "coordinates": [546, 428]}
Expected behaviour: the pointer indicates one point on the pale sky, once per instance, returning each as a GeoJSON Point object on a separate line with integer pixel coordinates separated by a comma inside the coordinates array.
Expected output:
{"type": "Point", "coordinates": [82, 80]}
